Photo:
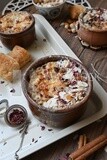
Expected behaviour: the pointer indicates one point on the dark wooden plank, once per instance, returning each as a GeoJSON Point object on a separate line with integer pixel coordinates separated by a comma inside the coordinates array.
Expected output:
{"type": "Point", "coordinates": [96, 3]}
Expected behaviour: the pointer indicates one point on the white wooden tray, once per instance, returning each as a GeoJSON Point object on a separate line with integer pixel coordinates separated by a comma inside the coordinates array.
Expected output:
{"type": "Point", "coordinates": [39, 135]}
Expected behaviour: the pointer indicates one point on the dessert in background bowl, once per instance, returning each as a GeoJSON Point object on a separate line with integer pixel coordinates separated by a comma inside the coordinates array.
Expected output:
{"type": "Point", "coordinates": [92, 27]}
{"type": "Point", "coordinates": [57, 89]}
{"type": "Point", "coordinates": [17, 28]}
{"type": "Point", "coordinates": [50, 9]}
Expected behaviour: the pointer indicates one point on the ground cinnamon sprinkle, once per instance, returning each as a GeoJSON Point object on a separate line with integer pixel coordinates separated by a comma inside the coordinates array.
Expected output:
{"type": "Point", "coordinates": [88, 149]}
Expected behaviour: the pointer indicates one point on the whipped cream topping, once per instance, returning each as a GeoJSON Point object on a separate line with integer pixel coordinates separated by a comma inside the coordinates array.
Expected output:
{"type": "Point", "coordinates": [95, 19]}
{"type": "Point", "coordinates": [58, 85]}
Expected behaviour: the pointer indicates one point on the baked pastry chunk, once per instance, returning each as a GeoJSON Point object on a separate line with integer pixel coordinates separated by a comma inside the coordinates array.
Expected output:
{"type": "Point", "coordinates": [75, 11]}
{"type": "Point", "coordinates": [21, 55]}
{"type": "Point", "coordinates": [8, 66]}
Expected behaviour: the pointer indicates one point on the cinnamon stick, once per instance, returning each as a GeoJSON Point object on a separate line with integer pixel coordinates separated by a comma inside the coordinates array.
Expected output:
{"type": "Point", "coordinates": [85, 140]}
{"type": "Point", "coordinates": [89, 148]}
{"type": "Point", "coordinates": [91, 151]}
{"type": "Point", "coordinates": [82, 141]}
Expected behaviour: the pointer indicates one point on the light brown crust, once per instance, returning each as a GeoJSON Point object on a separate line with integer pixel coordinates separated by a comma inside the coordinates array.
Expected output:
{"type": "Point", "coordinates": [7, 67]}
{"type": "Point", "coordinates": [75, 11]}
{"type": "Point", "coordinates": [21, 55]}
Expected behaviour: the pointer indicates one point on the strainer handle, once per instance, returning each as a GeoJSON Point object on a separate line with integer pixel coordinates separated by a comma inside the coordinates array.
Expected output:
{"type": "Point", "coordinates": [98, 75]}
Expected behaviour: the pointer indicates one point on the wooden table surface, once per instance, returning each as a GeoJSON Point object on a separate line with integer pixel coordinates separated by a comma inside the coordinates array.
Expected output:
{"type": "Point", "coordinates": [68, 144]}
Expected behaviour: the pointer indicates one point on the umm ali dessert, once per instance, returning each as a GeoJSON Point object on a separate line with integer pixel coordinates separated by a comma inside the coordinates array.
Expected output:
{"type": "Point", "coordinates": [17, 28]}
{"type": "Point", "coordinates": [95, 19]}
{"type": "Point", "coordinates": [92, 27]}
{"type": "Point", "coordinates": [57, 89]}
{"type": "Point", "coordinates": [58, 85]}
{"type": "Point", "coordinates": [15, 22]}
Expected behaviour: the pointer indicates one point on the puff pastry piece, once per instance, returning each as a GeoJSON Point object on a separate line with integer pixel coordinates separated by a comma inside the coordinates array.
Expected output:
{"type": "Point", "coordinates": [21, 55]}
{"type": "Point", "coordinates": [75, 11]}
{"type": "Point", "coordinates": [7, 67]}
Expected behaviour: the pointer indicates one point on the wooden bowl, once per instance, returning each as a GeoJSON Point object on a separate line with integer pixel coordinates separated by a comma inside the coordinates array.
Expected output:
{"type": "Point", "coordinates": [94, 36]}
{"type": "Point", "coordinates": [22, 38]}
{"type": "Point", "coordinates": [56, 118]}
